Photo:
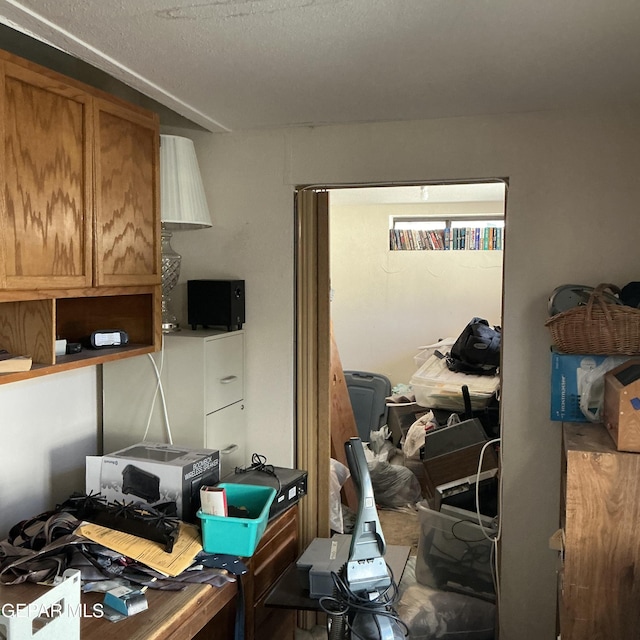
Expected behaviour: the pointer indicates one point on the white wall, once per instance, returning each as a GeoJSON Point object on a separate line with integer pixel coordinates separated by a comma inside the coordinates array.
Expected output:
{"type": "Point", "coordinates": [571, 215]}
{"type": "Point", "coordinates": [251, 239]}
{"type": "Point", "coordinates": [48, 426]}
{"type": "Point", "coordinates": [387, 303]}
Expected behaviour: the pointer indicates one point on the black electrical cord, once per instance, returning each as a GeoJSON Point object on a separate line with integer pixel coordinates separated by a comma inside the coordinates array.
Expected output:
{"type": "Point", "coordinates": [345, 601]}
{"type": "Point", "coordinates": [259, 463]}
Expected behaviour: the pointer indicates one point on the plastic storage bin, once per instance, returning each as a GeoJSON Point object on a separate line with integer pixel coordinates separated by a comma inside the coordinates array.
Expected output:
{"type": "Point", "coordinates": [238, 536]}
{"type": "Point", "coordinates": [453, 553]}
{"type": "Point", "coordinates": [426, 351]}
{"type": "Point", "coordinates": [436, 387]}
{"type": "Point", "coordinates": [368, 393]}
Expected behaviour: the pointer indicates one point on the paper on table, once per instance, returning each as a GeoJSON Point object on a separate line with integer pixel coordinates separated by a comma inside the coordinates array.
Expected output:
{"type": "Point", "coordinates": [185, 549]}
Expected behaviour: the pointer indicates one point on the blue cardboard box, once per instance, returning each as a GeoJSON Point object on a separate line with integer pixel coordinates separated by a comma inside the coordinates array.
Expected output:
{"type": "Point", "coordinates": [567, 376]}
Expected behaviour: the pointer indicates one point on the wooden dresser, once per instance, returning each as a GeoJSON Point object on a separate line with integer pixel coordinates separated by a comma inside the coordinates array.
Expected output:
{"type": "Point", "coordinates": [278, 548]}
{"type": "Point", "coordinates": [599, 585]}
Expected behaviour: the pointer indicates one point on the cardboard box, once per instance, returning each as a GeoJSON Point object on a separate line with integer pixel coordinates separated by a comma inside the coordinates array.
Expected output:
{"type": "Point", "coordinates": [567, 374]}
{"type": "Point", "coordinates": [621, 413]}
{"type": "Point", "coordinates": [154, 473]}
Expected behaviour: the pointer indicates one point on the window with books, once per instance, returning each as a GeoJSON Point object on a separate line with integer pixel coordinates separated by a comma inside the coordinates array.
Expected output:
{"type": "Point", "coordinates": [478, 233]}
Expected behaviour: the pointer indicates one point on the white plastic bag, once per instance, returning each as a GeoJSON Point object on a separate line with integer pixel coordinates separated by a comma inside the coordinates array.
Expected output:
{"type": "Point", "coordinates": [414, 438]}
{"type": "Point", "coordinates": [591, 387]}
{"type": "Point", "coordinates": [379, 444]}
{"type": "Point", "coordinates": [339, 474]}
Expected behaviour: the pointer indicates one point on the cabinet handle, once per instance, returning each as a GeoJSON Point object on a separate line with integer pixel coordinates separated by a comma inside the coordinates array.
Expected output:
{"type": "Point", "coordinates": [230, 449]}
{"type": "Point", "coordinates": [228, 379]}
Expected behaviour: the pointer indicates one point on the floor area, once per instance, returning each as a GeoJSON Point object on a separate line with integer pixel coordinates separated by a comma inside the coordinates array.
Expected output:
{"type": "Point", "coordinates": [400, 527]}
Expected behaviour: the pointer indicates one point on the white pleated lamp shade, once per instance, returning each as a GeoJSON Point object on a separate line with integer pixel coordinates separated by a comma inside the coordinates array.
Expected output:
{"type": "Point", "coordinates": [183, 204]}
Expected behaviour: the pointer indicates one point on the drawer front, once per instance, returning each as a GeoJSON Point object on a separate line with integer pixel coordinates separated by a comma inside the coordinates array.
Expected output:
{"type": "Point", "coordinates": [224, 371]}
{"type": "Point", "coordinates": [275, 554]}
{"type": "Point", "coordinates": [225, 430]}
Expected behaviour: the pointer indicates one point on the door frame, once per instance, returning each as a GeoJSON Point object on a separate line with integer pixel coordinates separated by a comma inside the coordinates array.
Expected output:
{"type": "Point", "coordinates": [313, 344]}
{"type": "Point", "coordinates": [313, 424]}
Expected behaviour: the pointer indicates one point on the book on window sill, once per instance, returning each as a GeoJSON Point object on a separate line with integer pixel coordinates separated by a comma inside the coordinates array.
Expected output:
{"type": "Point", "coordinates": [10, 363]}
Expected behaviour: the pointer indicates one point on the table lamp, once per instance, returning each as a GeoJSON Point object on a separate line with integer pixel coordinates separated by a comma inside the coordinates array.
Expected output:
{"type": "Point", "coordinates": [183, 206]}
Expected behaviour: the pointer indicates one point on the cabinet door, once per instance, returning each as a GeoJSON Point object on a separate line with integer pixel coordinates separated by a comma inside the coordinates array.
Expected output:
{"type": "Point", "coordinates": [224, 371]}
{"type": "Point", "coordinates": [127, 236]}
{"type": "Point", "coordinates": [226, 431]}
{"type": "Point", "coordinates": [45, 164]}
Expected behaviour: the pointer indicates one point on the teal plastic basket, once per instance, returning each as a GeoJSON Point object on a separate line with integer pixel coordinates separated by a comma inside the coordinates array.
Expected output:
{"type": "Point", "coordinates": [238, 536]}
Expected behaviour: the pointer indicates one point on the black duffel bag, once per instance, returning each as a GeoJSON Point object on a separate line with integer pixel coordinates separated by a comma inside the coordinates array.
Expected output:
{"type": "Point", "coordinates": [477, 349]}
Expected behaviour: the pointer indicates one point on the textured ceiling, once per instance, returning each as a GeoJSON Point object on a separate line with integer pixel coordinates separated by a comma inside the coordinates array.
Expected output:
{"type": "Point", "coordinates": [238, 64]}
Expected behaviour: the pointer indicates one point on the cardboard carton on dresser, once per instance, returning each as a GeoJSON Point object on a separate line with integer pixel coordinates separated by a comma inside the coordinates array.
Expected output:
{"type": "Point", "coordinates": [621, 409]}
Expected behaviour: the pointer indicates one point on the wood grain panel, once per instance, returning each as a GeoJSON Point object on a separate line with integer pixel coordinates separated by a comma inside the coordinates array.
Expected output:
{"type": "Point", "coordinates": [26, 328]}
{"type": "Point", "coordinates": [127, 219]}
{"type": "Point", "coordinates": [47, 210]}
{"type": "Point", "coordinates": [601, 587]}
{"type": "Point", "coordinates": [457, 464]}
{"type": "Point", "coordinates": [222, 626]}
{"type": "Point", "coordinates": [78, 317]}
{"type": "Point", "coordinates": [172, 615]}
{"type": "Point", "coordinates": [313, 422]}
{"type": "Point", "coordinates": [49, 160]}
{"type": "Point", "coordinates": [343, 422]}
{"type": "Point", "coordinates": [276, 554]}
{"type": "Point", "coordinates": [278, 548]}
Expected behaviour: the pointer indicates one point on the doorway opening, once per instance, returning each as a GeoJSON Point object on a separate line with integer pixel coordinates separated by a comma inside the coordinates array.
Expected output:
{"type": "Point", "coordinates": [343, 241]}
{"type": "Point", "coordinates": [389, 297]}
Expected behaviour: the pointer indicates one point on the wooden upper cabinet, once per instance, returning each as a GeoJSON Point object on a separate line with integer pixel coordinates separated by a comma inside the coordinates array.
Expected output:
{"type": "Point", "coordinates": [79, 219]}
{"type": "Point", "coordinates": [127, 238]}
{"type": "Point", "coordinates": [79, 176]}
{"type": "Point", "coordinates": [46, 212]}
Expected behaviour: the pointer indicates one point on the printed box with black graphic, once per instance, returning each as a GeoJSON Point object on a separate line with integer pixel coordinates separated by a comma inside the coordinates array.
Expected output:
{"type": "Point", "coordinates": [154, 473]}
{"type": "Point", "coordinates": [573, 375]}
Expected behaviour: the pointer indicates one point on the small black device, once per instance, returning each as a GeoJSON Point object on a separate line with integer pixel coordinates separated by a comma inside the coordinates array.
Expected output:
{"type": "Point", "coordinates": [140, 483]}
{"type": "Point", "coordinates": [107, 338]}
{"type": "Point", "coordinates": [73, 347]}
{"type": "Point", "coordinates": [290, 484]}
{"type": "Point", "coordinates": [216, 303]}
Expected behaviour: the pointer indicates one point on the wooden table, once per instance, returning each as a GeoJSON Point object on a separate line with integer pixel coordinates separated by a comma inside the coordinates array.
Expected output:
{"type": "Point", "coordinates": [200, 611]}
{"type": "Point", "coordinates": [172, 615]}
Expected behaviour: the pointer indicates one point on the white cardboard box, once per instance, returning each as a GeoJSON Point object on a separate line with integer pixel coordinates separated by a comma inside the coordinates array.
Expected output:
{"type": "Point", "coordinates": [154, 473]}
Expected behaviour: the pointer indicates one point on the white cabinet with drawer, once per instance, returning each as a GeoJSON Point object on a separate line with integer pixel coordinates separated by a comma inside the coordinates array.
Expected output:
{"type": "Point", "coordinates": [202, 375]}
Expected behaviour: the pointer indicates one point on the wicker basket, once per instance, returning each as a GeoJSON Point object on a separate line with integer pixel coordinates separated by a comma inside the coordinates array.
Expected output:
{"type": "Point", "coordinates": [599, 327]}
